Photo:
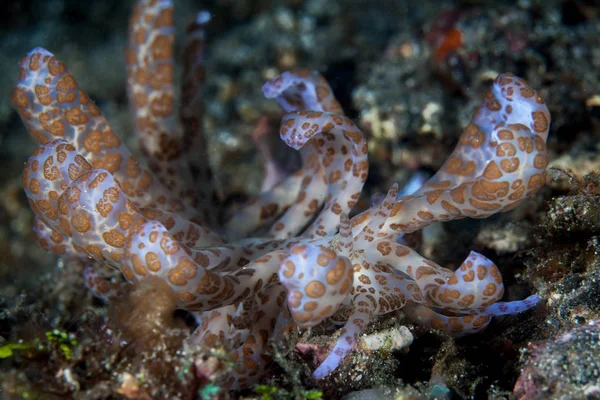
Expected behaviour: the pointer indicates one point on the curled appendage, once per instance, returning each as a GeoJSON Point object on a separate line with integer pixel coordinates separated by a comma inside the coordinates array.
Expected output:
{"type": "Point", "coordinates": [152, 251]}
{"type": "Point", "coordinates": [151, 91]}
{"type": "Point", "coordinates": [499, 161]}
{"type": "Point", "coordinates": [302, 89]}
{"type": "Point", "coordinates": [477, 283]}
{"type": "Point", "coordinates": [244, 330]}
{"type": "Point", "coordinates": [360, 317]}
{"type": "Point", "coordinates": [84, 210]}
{"type": "Point", "coordinates": [513, 101]}
{"type": "Point", "coordinates": [342, 153]}
{"type": "Point", "coordinates": [102, 287]}
{"type": "Point", "coordinates": [506, 135]}
{"type": "Point", "coordinates": [52, 106]}
{"type": "Point", "coordinates": [52, 169]}
{"type": "Point", "coordinates": [377, 290]}
{"type": "Point", "coordinates": [468, 295]}
{"type": "Point", "coordinates": [94, 219]}
{"type": "Point", "coordinates": [317, 282]}
{"type": "Point", "coordinates": [462, 325]}
{"type": "Point", "coordinates": [97, 216]}
{"type": "Point", "coordinates": [295, 91]}
{"type": "Point", "coordinates": [47, 173]}
{"type": "Point", "coordinates": [55, 242]}
{"type": "Point", "coordinates": [216, 328]}
{"type": "Point", "coordinates": [250, 358]}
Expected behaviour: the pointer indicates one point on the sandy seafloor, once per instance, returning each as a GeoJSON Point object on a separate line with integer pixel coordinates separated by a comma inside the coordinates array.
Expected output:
{"type": "Point", "coordinates": [400, 72]}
